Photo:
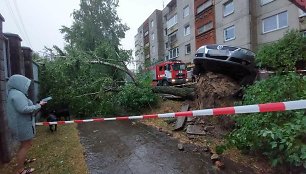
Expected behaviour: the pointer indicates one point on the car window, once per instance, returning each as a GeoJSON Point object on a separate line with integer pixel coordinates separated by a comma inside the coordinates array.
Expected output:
{"type": "Point", "coordinates": [179, 66]}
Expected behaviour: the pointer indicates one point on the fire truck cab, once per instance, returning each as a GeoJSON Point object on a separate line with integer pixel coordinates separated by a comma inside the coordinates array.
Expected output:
{"type": "Point", "coordinates": [169, 73]}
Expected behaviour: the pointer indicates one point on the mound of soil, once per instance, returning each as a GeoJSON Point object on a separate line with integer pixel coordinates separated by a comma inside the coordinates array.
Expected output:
{"type": "Point", "coordinates": [215, 90]}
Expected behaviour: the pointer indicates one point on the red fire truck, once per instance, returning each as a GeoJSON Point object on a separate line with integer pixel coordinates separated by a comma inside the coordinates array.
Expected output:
{"type": "Point", "coordinates": [169, 73]}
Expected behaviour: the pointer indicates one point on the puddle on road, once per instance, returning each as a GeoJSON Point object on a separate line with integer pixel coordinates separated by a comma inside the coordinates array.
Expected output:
{"type": "Point", "coordinates": [121, 147]}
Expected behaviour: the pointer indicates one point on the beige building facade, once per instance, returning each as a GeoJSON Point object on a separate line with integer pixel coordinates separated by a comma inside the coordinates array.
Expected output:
{"type": "Point", "coordinates": [252, 23]}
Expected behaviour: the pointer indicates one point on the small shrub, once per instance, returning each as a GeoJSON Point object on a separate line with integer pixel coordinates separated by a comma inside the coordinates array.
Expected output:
{"type": "Point", "coordinates": [285, 54]}
{"type": "Point", "coordinates": [136, 97]}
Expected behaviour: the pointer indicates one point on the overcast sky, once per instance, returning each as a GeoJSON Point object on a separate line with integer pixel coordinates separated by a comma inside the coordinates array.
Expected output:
{"type": "Point", "coordinates": [38, 22]}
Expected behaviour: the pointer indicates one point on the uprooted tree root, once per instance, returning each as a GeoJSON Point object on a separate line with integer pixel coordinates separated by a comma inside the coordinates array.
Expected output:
{"type": "Point", "coordinates": [216, 90]}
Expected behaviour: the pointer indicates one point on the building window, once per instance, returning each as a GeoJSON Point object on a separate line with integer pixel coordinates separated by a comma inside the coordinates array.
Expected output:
{"type": "Point", "coordinates": [204, 6]}
{"type": "Point", "coordinates": [186, 30]}
{"type": "Point", "coordinates": [264, 2]}
{"type": "Point", "coordinates": [152, 36]}
{"type": "Point", "coordinates": [187, 49]}
{"type": "Point", "coordinates": [229, 33]}
{"type": "Point", "coordinates": [172, 38]}
{"type": "Point", "coordinates": [186, 11]}
{"type": "Point", "coordinates": [166, 45]}
{"type": "Point", "coordinates": [166, 57]}
{"type": "Point", "coordinates": [152, 23]}
{"type": "Point", "coordinates": [275, 22]}
{"type": "Point", "coordinates": [146, 33]}
{"type": "Point", "coordinates": [153, 49]}
{"type": "Point", "coordinates": [304, 33]}
{"type": "Point", "coordinates": [172, 21]}
{"type": "Point", "coordinates": [205, 27]}
{"type": "Point", "coordinates": [228, 8]}
{"type": "Point", "coordinates": [173, 53]}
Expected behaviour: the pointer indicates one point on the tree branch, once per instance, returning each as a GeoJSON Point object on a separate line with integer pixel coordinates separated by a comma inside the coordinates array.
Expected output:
{"type": "Point", "coordinates": [95, 93]}
{"type": "Point", "coordinates": [124, 69]}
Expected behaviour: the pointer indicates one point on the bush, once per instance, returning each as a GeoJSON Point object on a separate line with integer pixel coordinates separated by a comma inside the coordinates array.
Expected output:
{"type": "Point", "coordinates": [135, 98]}
{"type": "Point", "coordinates": [281, 136]}
{"type": "Point", "coordinates": [285, 54]}
{"type": "Point", "coordinates": [89, 90]}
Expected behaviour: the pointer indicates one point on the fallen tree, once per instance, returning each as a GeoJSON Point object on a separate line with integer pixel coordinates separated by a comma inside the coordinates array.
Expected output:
{"type": "Point", "coordinates": [187, 93]}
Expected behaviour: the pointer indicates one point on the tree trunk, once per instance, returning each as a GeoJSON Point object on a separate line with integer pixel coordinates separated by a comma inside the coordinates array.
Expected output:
{"type": "Point", "coordinates": [187, 93]}
{"type": "Point", "coordinates": [124, 69]}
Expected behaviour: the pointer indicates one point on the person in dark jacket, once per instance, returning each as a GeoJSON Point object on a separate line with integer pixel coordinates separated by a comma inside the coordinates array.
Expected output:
{"type": "Point", "coordinates": [21, 111]}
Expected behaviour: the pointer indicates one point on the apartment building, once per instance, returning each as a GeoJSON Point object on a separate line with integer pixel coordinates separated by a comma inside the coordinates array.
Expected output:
{"type": "Point", "coordinates": [272, 19]}
{"type": "Point", "coordinates": [139, 54]}
{"type": "Point", "coordinates": [149, 40]}
{"type": "Point", "coordinates": [167, 34]}
{"type": "Point", "coordinates": [205, 32]}
{"type": "Point", "coordinates": [250, 24]}
{"type": "Point", "coordinates": [183, 26]}
{"type": "Point", "coordinates": [178, 20]}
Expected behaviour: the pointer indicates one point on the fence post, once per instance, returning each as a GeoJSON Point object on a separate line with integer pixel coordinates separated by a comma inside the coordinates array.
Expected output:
{"type": "Point", "coordinates": [28, 68]}
{"type": "Point", "coordinates": [15, 54]}
{"type": "Point", "coordinates": [4, 149]}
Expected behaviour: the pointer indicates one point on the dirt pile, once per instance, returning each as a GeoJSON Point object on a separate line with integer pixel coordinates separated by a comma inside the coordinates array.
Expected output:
{"type": "Point", "coordinates": [215, 90]}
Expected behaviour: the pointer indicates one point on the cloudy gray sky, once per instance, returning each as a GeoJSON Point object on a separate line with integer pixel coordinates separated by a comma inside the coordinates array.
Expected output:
{"type": "Point", "coordinates": [38, 21]}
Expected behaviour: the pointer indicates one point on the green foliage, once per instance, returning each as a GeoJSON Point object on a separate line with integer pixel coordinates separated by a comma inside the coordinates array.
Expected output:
{"type": "Point", "coordinates": [284, 54]}
{"type": "Point", "coordinates": [135, 98]}
{"type": "Point", "coordinates": [94, 23]}
{"type": "Point", "coordinates": [279, 135]}
{"type": "Point", "coordinates": [220, 149]}
{"type": "Point", "coordinates": [77, 84]}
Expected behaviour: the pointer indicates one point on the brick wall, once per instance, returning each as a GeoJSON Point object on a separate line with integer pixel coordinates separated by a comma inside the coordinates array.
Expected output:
{"type": "Point", "coordinates": [208, 15]}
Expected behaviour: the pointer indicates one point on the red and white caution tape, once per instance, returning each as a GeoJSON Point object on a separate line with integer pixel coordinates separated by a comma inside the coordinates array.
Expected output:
{"type": "Point", "coordinates": [273, 72]}
{"type": "Point", "coordinates": [267, 107]}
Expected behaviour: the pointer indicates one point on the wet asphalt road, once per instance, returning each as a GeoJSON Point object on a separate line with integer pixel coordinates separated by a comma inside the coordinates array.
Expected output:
{"type": "Point", "coordinates": [123, 147]}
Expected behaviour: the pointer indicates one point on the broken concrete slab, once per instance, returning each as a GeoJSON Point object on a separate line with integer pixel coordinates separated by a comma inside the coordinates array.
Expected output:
{"type": "Point", "coordinates": [180, 121]}
{"type": "Point", "coordinates": [209, 128]}
{"type": "Point", "coordinates": [195, 130]}
{"type": "Point", "coordinates": [190, 119]}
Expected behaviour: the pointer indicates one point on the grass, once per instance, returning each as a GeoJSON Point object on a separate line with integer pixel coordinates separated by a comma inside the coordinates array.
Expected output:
{"type": "Point", "coordinates": [56, 153]}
